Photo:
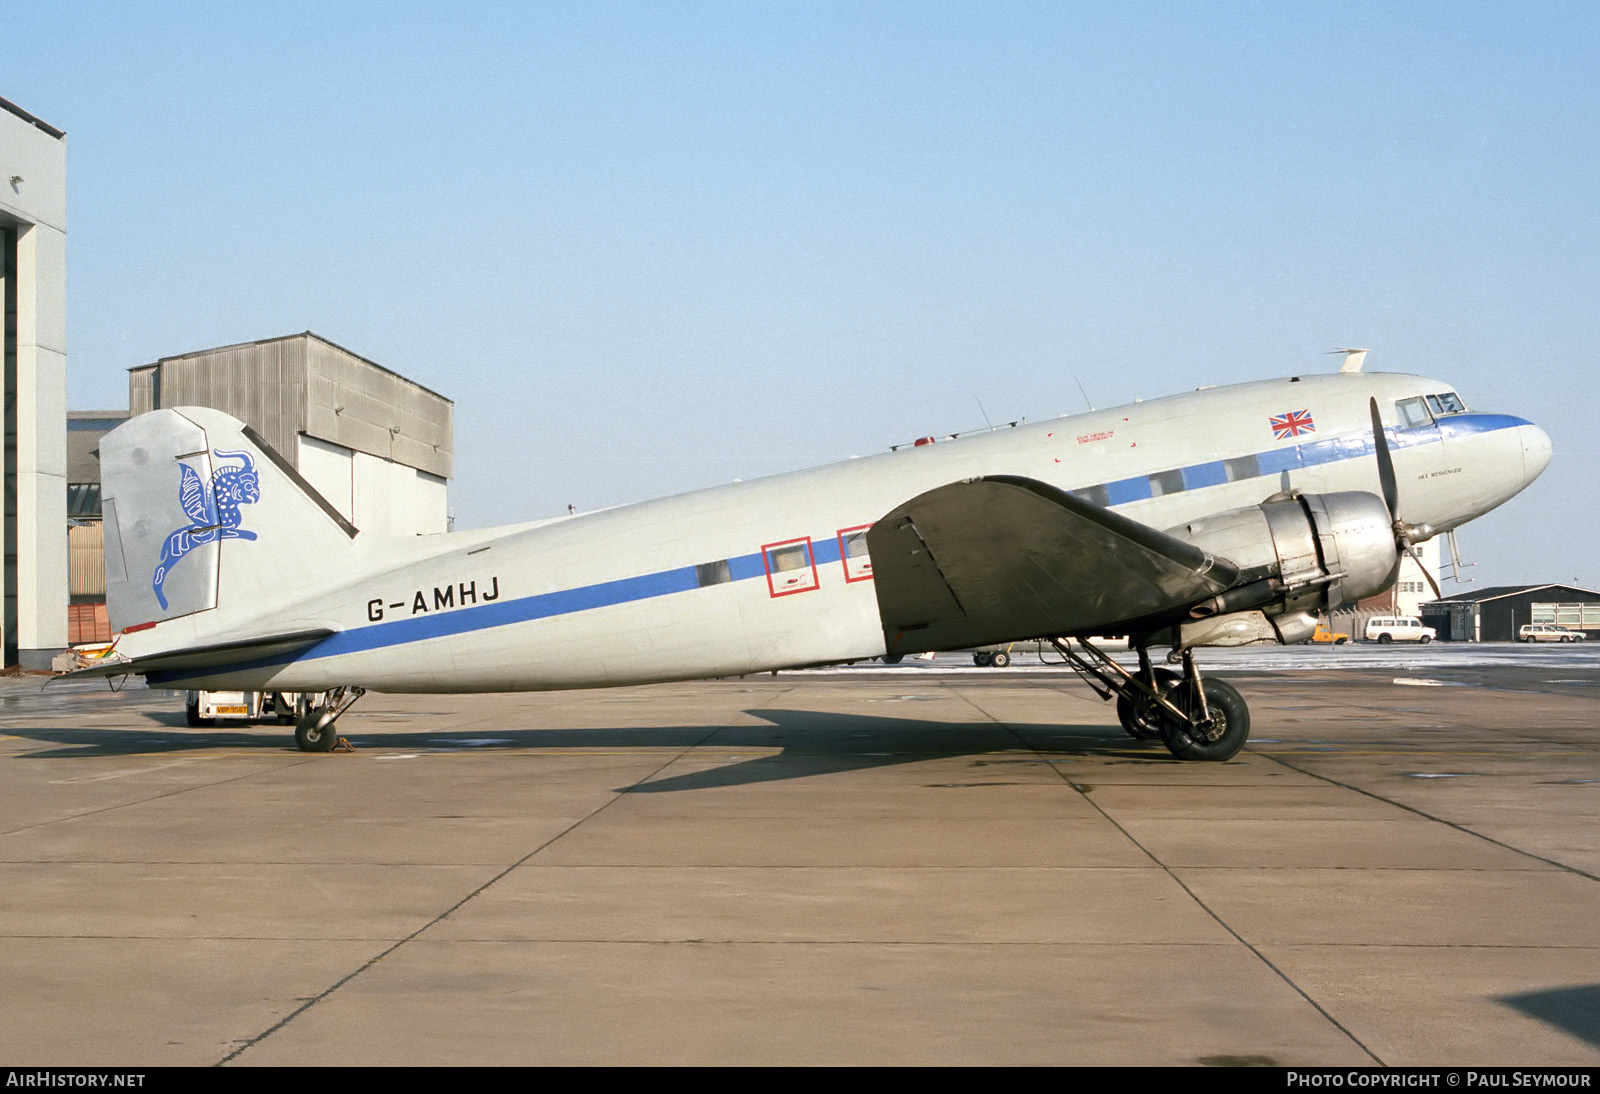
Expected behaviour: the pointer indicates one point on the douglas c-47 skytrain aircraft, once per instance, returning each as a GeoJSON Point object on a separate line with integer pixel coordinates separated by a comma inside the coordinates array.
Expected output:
{"type": "Point", "coordinates": [1220, 517]}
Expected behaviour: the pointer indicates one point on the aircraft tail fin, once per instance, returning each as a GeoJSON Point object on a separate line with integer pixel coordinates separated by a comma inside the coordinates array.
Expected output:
{"type": "Point", "coordinates": [202, 514]}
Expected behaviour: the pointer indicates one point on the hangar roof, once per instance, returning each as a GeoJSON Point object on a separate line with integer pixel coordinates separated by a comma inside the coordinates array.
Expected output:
{"type": "Point", "coordinates": [1497, 591]}
{"type": "Point", "coordinates": [304, 384]}
{"type": "Point", "coordinates": [31, 120]}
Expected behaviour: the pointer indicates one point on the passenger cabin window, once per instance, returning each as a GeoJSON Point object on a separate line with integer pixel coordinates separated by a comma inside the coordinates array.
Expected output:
{"type": "Point", "coordinates": [713, 573]}
{"type": "Point", "coordinates": [1166, 482]}
{"type": "Point", "coordinates": [1413, 413]}
{"type": "Point", "coordinates": [790, 558]}
{"type": "Point", "coordinates": [1094, 495]}
{"type": "Point", "coordinates": [1243, 467]}
{"type": "Point", "coordinates": [1447, 403]}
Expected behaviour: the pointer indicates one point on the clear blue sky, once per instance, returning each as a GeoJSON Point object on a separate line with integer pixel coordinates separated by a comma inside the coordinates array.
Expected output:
{"type": "Point", "coordinates": [652, 246]}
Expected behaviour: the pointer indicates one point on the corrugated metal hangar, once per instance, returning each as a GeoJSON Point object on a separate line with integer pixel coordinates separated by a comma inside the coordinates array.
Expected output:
{"type": "Point", "coordinates": [376, 445]}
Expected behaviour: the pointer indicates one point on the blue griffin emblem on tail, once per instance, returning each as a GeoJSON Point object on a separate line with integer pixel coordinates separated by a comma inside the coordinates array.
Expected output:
{"type": "Point", "coordinates": [214, 509]}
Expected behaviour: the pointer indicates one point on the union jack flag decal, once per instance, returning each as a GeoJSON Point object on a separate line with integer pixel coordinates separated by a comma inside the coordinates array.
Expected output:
{"type": "Point", "coordinates": [1292, 424]}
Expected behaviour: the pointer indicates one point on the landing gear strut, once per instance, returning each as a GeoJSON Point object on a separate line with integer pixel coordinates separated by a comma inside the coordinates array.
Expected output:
{"type": "Point", "coordinates": [314, 730]}
{"type": "Point", "coordinates": [1196, 719]}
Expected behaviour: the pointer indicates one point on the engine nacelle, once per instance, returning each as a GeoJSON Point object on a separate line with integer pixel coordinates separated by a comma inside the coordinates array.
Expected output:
{"type": "Point", "coordinates": [1296, 553]}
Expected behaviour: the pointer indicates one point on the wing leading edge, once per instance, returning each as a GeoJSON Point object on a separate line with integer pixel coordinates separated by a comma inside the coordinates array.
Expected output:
{"type": "Point", "coordinates": [1003, 558]}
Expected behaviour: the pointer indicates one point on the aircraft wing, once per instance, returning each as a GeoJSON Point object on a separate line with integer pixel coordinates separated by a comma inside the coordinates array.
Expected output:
{"type": "Point", "coordinates": [1004, 558]}
{"type": "Point", "coordinates": [203, 657]}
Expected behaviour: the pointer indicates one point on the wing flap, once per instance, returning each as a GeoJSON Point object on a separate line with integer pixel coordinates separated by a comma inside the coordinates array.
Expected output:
{"type": "Point", "coordinates": [1004, 558]}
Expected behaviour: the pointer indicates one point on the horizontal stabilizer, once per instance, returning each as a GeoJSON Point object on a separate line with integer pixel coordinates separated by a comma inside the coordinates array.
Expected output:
{"type": "Point", "coordinates": [202, 657]}
{"type": "Point", "coordinates": [1005, 558]}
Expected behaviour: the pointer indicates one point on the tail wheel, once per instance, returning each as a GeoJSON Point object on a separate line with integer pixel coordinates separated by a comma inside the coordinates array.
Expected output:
{"type": "Point", "coordinates": [1141, 717]}
{"type": "Point", "coordinates": [1218, 740]}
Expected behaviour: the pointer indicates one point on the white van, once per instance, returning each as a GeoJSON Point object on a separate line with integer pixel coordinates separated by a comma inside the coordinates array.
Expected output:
{"type": "Point", "coordinates": [1399, 628]}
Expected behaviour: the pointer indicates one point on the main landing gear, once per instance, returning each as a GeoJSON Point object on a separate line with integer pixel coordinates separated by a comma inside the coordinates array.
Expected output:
{"type": "Point", "coordinates": [1196, 719]}
{"type": "Point", "coordinates": [313, 732]}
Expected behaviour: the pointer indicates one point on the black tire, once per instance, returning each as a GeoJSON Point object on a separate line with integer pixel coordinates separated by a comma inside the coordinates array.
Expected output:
{"type": "Point", "coordinates": [1000, 659]}
{"type": "Point", "coordinates": [1384, 639]}
{"type": "Point", "coordinates": [282, 709]}
{"type": "Point", "coordinates": [1143, 720]}
{"type": "Point", "coordinates": [1340, 641]}
{"type": "Point", "coordinates": [1222, 740]}
{"type": "Point", "coordinates": [1424, 640]}
{"type": "Point", "coordinates": [892, 658]}
{"type": "Point", "coordinates": [311, 739]}
{"type": "Point", "coordinates": [191, 715]}
{"type": "Point", "coordinates": [981, 659]}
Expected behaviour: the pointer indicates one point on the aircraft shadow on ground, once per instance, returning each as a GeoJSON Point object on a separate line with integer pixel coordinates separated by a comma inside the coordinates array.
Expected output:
{"type": "Point", "coordinates": [1574, 1010]}
{"type": "Point", "coordinates": [823, 743]}
{"type": "Point", "coordinates": [810, 743]}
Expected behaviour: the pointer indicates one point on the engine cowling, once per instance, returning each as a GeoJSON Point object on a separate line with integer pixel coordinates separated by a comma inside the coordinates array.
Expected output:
{"type": "Point", "coordinates": [1297, 554]}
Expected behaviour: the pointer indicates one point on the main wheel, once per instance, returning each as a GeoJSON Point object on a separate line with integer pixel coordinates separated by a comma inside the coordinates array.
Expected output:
{"type": "Point", "coordinates": [999, 659]}
{"type": "Point", "coordinates": [1222, 738]}
{"type": "Point", "coordinates": [1142, 718]}
{"type": "Point", "coordinates": [312, 739]}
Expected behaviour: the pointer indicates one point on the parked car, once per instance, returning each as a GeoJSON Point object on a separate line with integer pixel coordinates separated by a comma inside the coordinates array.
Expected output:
{"type": "Point", "coordinates": [1323, 634]}
{"type": "Point", "coordinates": [1399, 628]}
{"type": "Point", "coordinates": [1547, 632]}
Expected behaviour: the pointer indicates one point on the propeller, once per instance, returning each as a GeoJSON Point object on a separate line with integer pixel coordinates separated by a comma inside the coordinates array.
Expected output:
{"type": "Point", "coordinates": [1406, 536]}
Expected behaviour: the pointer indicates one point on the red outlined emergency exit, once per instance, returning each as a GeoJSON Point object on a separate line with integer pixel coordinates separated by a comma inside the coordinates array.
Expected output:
{"type": "Point", "coordinates": [791, 566]}
{"type": "Point", "coordinates": [853, 553]}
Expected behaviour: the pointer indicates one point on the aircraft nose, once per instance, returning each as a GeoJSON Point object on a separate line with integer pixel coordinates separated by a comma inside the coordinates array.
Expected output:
{"type": "Point", "coordinates": [1535, 451]}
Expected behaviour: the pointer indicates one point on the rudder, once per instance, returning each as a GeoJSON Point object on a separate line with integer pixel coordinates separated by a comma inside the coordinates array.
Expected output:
{"type": "Point", "coordinates": [201, 513]}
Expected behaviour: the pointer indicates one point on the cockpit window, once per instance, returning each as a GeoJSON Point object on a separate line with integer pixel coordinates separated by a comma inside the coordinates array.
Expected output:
{"type": "Point", "coordinates": [1413, 413]}
{"type": "Point", "coordinates": [1447, 403]}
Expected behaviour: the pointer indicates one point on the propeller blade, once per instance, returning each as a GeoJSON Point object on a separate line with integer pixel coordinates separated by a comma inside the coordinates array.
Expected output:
{"type": "Point", "coordinates": [1438, 593]}
{"type": "Point", "coordinates": [1391, 491]}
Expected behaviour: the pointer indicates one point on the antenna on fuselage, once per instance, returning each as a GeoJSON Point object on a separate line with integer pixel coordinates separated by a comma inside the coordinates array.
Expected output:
{"type": "Point", "coordinates": [1353, 359]}
{"type": "Point", "coordinates": [1082, 392]}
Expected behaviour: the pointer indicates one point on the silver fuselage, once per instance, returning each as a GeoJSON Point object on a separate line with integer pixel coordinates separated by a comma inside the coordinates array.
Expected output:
{"type": "Point", "coordinates": [696, 586]}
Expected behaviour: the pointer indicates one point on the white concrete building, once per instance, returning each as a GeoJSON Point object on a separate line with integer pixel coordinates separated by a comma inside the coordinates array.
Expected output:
{"type": "Point", "coordinates": [33, 460]}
